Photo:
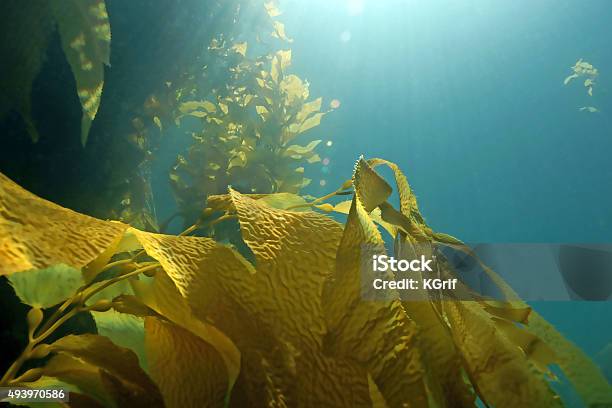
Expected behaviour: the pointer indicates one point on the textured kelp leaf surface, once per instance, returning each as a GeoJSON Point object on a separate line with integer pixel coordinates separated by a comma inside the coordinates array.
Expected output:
{"type": "Point", "coordinates": [37, 234]}
{"type": "Point", "coordinates": [289, 328]}
{"type": "Point", "coordinates": [362, 329]}
{"type": "Point", "coordinates": [188, 370]}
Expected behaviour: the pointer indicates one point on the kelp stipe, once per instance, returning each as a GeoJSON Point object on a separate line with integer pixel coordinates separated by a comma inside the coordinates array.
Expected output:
{"type": "Point", "coordinates": [187, 321]}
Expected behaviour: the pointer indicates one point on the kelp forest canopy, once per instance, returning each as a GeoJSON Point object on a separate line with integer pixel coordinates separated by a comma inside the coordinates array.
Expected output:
{"type": "Point", "coordinates": [134, 87]}
{"type": "Point", "coordinates": [258, 301]}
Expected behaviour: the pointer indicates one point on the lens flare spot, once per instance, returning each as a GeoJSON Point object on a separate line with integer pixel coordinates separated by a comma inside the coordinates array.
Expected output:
{"type": "Point", "coordinates": [322, 183]}
{"type": "Point", "coordinates": [326, 161]}
{"type": "Point", "coordinates": [329, 143]}
{"type": "Point", "coordinates": [334, 104]}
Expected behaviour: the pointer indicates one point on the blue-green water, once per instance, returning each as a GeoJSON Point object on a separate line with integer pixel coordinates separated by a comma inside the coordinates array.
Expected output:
{"type": "Point", "coordinates": [468, 98]}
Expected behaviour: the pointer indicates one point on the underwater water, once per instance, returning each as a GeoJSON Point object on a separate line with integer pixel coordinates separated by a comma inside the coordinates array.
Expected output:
{"type": "Point", "coordinates": [497, 113]}
{"type": "Point", "coordinates": [468, 98]}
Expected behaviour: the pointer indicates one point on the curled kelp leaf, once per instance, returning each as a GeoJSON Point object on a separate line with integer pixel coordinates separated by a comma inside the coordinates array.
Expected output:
{"type": "Point", "coordinates": [549, 345]}
{"type": "Point", "coordinates": [362, 329]}
{"type": "Point", "coordinates": [491, 360]}
{"type": "Point", "coordinates": [161, 296]}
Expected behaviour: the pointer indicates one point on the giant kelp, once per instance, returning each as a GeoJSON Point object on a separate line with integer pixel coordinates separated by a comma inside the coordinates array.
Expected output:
{"type": "Point", "coordinates": [284, 325]}
{"type": "Point", "coordinates": [248, 125]}
{"type": "Point", "coordinates": [85, 34]}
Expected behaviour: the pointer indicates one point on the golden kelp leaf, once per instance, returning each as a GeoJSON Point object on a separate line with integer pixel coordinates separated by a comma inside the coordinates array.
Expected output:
{"type": "Point", "coordinates": [240, 48]}
{"type": "Point", "coordinates": [448, 386]}
{"type": "Point", "coordinates": [46, 287]}
{"type": "Point", "coordinates": [293, 89]}
{"type": "Point", "coordinates": [534, 348]}
{"type": "Point", "coordinates": [85, 34]}
{"type": "Point", "coordinates": [191, 106]}
{"type": "Point", "coordinates": [284, 58]}
{"type": "Point", "coordinates": [282, 201]}
{"type": "Point", "coordinates": [313, 158]}
{"type": "Point", "coordinates": [189, 372]}
{"type": "Point", "coordinates": [301, 150]}
{"type": "Point", "coordinates": [261, 83]}
{"type": "Point", "coordinates": [289, 247]}
{"type": "Point", "coordinates": [344, 207]}
{"type": "Point", "coordinates": [580, 370]}
{"type": "Point", "coordinates": [224, 108]}
{"type": "Point", "coordinates": [120, 244]}
{"type": "Point", "coordinates": [347, 379]}
{"type": "Point", "coordinates": [183, 259]}
{"type": "Point", "coordinates": [408, 203]}
{"type": "Point", "coordinates": [370, 188]}
{"type": "Point", "coordinates": [313, 121]}
{"type": "Point", "coordinates": [36, 234]}
{"type": "Point", "coordinates": [326, 207]}
{"type": "Point", "coordinates": [117, 365]}
{"type": "Point", "coordinates": [275, 68]}
{"type": "Point", "coordinates": [158, 123]}
{"type": "Point", "coordinates": [285, 296]}
{"type": "Point", "coordinates": [279, 32]}
{"type": "Point", "coordinates": [491, 360]}
{"type": "Point", "coordinates": [262, 111]}
{"type": "Point", "coordinates": [585, 376]}
{"type": "Point", "coordinates": [272, 9]}
{"type": "Point", "coordinates": [569, 78]}
{"type": "Point", "coordinates": [239, 160]}
{"type": "Point", "coordinates": [363, 329]}
{"type": "Point", "coordinates": [308, 109]}
{"type": "Point", "coordinates": [508, 311]}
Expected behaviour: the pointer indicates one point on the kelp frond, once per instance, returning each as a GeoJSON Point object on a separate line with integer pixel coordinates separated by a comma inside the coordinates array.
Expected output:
{"type": "Point", "coordinates": [188, 321]}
